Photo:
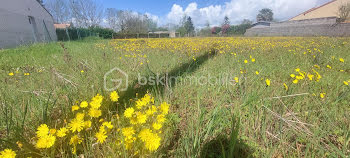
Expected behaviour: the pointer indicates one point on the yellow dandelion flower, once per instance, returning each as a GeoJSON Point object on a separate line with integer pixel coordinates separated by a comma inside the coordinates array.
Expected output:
{"type": "Point", "coordinates": [62, 132]}
{"type": "Point", "coordinates": [19, 144]}
{"type": "Point", "coordinates": [75, 108]}
{"type": "Point", "coordinates": [53, 131]}
{"type": "Point", "coordinates": [323, 95]}
{"type": "Point", "coordinates": [42, 131]}
{"type": "Point", "coordinates": [297, 69]}
{"type": "Point", "coordinates": [164, 107]}
{"type": "Point", "coordinates": [310, 77]}
{"type": "Point", "coordinates": [151, 110]}
{"type": "Point", "coordinates": [161, 118]}
{"type": "Point", "coordinates": [84, 104]}
{"type": "Point", "coordinates": [151, 140]}
{"type": "Point", "coordinates": [153, 143]}
{"type": "Point", "coordinates": [246, 61]}
{"type": "Point", "coordinates": [75, 140]}
{"type": "Point", "coordinates": [144, 134]}
{"type": "Point", "coordinates": [295, 81]}
{"type": "Point", "coordinates": [96, 101]}
{"type": "Point", "coordinates": [285, 86]}
{"type": "Point", "coordinates": [108, 125]}
{"type": "Point", "coordinates": [128, 144]}
{"type": "Point", "coordinates": [292, 75]}
{"type": "Point", "coordinates": [129, 112]}
{"type": "Point", "coordinates": [157, 126]}
{"type": "Point", "coordinates": [7, 153]}
{"type": "Point", "coordinates": [346, 83]}
{"type": "Point", "coordinates": [318, 76]}
{"type": "Point", "coordinates": [95, 113]}
{"type": "Point", "coordinates": [316, 66]}
{"type": "Point", "coordinates": [257, 72]}
{"type": "Point", "coordinates": [140, 103]}
{"type": "Point", "coordinates": [11, 74]}
{"type": "Point", "coordinates": [328, 66]}
{"type": "Point", "coordinates": [236, 79]}
{"type": "Point", "coordinates": [76, 125]}
{"type": "Point", "coordinates": [128, 132]}
{"type": "Point", "coordinates": [341, 60]}
{"type": "Point", "coordinates": [101, 136]}
{"type": "Point", "coordinates": [253, 60]}
{"type": "Point", "coordinates": [46, 142]}
{"type": "Point", "coordinates": [80, 116]}
{"type": "Point", "coordinates": [299, 77]}
{"type": "Point", "coordinates": [141, 118]}
{"type": "Point", "coordinates": [87, 124]}
{"type": "Point", "coordinates": [144, 101]}
{"type": "Point", "coordinates": [114, 96]}
{"type": "Point", "coordinates": [268, 82]}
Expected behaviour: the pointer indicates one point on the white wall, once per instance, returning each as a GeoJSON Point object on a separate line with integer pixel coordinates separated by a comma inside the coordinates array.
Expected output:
{"type": "Point", "coordinates": [15, 28]}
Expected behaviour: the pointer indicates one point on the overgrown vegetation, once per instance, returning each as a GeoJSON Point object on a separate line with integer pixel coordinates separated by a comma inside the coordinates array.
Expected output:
{"type": "Point", "coordinates": [287, 97]}
{"type": "Point", "coordinates": [81, 33]}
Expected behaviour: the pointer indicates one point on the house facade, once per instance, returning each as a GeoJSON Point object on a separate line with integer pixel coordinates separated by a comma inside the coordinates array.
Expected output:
{"type": "Point", "coordinates": [329, 9]}
{"type": "Point", "coordinates": [319, 21]}
{"type": "Point", "coordinates": [24, 22]}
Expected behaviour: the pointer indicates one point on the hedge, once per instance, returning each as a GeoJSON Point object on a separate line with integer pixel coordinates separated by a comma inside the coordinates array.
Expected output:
{"type": "Point", "coordinates": [80, 33]}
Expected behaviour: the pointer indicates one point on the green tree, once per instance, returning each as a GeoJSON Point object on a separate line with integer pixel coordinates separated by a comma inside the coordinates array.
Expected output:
{"type": "Point", "coordinates": [226, 21]}
{"type": "Point", "coordinates": [189, 26]}
{"type": "Point", "coordinates": [151, 24]}
{"type": "Point", "coordinates": [265, 14]}
{"type": "Point", "coordinates": [206, 31]}
{"type": "Point", "coordinates": [241, 28]}
{"type": "Point", "coordinates": [225, 25]}
{"type": "Point", "coordinates": [247, 21]}
{"type": "Point", "coordinates": [181, 30]}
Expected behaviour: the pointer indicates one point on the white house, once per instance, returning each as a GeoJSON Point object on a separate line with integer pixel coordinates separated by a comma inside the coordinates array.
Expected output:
{"type": "Point", "coordinates": [24, 22]}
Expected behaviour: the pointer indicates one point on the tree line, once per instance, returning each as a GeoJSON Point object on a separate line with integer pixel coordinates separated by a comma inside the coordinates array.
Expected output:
{"type": "Point", "coordinates": [226, 29]}
{"type": "Point", "coordinates": [90, 14]}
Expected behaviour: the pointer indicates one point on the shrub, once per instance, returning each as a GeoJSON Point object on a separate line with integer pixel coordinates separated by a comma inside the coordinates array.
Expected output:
{"type": "Point", "coordinates": [80, 33]}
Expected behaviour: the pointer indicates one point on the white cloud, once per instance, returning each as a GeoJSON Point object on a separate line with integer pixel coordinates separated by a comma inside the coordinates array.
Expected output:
{"type": "Point", "coordinates": [153, 17]}
{"type": "Point", "coordinates": [175, 14]}
{"type": "Point", "coordinates": [237, 10]}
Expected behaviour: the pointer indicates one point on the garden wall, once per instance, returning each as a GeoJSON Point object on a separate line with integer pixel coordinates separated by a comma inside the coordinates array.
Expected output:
{"type": "Point", "coordinates": [313, 27]}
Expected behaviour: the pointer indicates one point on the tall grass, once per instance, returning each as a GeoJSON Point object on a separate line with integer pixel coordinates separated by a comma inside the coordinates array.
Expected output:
{"type": "Point", "coordinates": [247, 119]}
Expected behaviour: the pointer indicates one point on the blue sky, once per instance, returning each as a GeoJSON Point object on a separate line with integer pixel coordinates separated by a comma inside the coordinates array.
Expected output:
{"type": "Point", "coordinates": [212, 11]}
{"type": "Point", "coordinates": [156, 7]}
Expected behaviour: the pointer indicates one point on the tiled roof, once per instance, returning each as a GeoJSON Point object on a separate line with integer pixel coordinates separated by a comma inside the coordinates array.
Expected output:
{"type": "Point", "coordinates": [61, 26]}
{"type": "Point", "coordinates": [312, 9]}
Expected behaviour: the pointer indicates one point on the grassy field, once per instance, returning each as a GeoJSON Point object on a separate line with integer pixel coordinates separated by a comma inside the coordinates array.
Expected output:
{"type": "Point", "coordinates": [231, 97]}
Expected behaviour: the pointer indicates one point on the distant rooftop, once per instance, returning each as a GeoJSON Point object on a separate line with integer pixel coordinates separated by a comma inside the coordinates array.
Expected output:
{"type": "Point", "coordinates": [61, 26]}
